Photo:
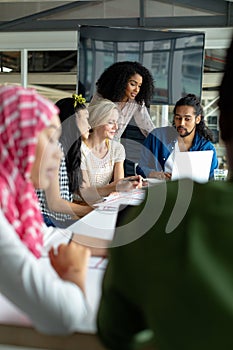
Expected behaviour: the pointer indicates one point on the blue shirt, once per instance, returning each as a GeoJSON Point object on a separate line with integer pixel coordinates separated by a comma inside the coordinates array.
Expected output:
{"type": "Point", "coordinates": [160, 143]}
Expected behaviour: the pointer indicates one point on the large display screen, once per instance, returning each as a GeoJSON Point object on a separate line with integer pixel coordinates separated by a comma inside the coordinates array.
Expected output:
{"type": "Point", "coordinates": [175, 59]}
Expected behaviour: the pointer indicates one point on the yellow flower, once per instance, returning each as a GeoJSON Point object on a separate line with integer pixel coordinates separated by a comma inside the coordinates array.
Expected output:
{"type": "Point", "coordinates": [78, 99]}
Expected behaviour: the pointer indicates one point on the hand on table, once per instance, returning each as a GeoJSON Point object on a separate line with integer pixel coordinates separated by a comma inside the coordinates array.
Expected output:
{"type": "Point", "coordinates": [160, 175]}
{"type": "Point", "coordinates": [70, 262]}
{"type": "Point", "coordinates": [129, 183]}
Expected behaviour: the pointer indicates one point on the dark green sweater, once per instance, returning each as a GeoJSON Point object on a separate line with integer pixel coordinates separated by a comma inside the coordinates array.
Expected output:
{"type": "Point", "coordinates": [176, 280]}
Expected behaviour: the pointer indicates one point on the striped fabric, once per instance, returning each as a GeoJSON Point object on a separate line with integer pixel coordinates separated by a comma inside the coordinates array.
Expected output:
{"type": "Point", "coordinates": [23, 114]}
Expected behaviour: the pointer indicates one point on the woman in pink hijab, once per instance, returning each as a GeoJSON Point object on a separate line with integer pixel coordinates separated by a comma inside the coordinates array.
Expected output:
{"type": "Point", "coordinates": [23, 114]}
{"type": "Point", "coordinates": [29, 155]}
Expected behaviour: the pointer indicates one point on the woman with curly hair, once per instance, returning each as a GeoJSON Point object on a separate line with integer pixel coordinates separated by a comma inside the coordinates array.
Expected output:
{"type": "Point", "coordinates": [130, 86]}
{"type": "Point", "coordinates": [187, 133]}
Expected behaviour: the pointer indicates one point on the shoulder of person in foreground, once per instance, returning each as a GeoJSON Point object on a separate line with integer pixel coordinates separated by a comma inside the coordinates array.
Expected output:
{"type": "Point", "coordinates": [184, 262]}
{"type": "Point", "coordinates": [54, 306]}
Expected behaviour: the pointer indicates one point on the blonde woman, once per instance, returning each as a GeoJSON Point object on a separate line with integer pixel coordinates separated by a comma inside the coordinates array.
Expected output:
{"type": "Point", "coordinates": [102, 157]}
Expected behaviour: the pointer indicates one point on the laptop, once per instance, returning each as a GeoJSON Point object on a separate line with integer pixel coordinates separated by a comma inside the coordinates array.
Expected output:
{"type": "Point", "coordinates": [194, 165]}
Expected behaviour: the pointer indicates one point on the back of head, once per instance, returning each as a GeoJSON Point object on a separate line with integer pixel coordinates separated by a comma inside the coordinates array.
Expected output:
{"type": "Point", "coordinates": [70, 132]}
{"type": "Point", "coordinates": [226, 98]}
{"type": "Point", "coordinates": [100, 111]}
{"type": "Point", "coordinates": [69, 105]}
{"type": "Point", "coordinates": [66, 108]}
{"type": "Point", "coordinates": [113, 81]}
{"type": "Point", "coordinates": [71, 137]}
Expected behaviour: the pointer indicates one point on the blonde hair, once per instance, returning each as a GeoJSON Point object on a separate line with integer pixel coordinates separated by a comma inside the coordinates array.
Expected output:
{"type": "Point", "coordinates": [99, 112]}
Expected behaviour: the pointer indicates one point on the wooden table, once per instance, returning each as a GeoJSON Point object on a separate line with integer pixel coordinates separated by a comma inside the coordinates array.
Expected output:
{"type": "Point", "coordinates": [29, 337]}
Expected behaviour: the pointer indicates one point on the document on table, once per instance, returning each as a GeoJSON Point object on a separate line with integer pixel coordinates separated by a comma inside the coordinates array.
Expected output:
{"type": "Point", "coordinates": [101, 222]}
{"type": "Point", "coordinates": [53, 237]}
{"type": "Point", "coordinates": [98, 224]}
{"type": "Point", "coordinates": [134, 197]}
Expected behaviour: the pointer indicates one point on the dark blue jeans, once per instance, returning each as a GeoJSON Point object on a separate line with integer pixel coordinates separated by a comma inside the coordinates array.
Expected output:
{"type": "Point", "coordinates": [48, 220]}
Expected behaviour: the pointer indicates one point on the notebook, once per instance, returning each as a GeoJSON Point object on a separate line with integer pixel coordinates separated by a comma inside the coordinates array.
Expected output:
{"type": "Point", "coordinates": [194, 165]}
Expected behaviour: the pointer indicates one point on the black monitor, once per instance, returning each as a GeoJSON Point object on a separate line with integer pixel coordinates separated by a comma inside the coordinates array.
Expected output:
{"type": "Point", "coordinates": [174, 58]}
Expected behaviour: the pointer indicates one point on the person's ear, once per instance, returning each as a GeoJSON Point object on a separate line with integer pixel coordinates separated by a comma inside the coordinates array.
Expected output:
{"type": "Point", "coordinates": [198, 119]}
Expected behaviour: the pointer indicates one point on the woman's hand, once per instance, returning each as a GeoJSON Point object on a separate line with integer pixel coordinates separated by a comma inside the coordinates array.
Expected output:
{"type": "Point", "coordinates": [129, 183]}
{"type": "Point", "coordinates": [70, 262]}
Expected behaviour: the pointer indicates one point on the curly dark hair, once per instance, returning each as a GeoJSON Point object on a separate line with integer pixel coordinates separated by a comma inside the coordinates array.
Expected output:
{"type": "Point", "coordinates": [192, 100]}
{"type": "Point", "coordinates": [113, 82]}
{"type": "Point", "coordinates": [71, 140]}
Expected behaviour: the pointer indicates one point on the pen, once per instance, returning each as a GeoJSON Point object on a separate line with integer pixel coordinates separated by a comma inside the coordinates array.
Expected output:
{"type": "Point", "coordinates": [131, 179]}
{"type": "Point", "coordinates": [71, 238]}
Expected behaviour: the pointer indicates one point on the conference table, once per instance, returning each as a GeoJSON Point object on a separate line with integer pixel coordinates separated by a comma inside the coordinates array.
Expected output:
{"type": "Point", "coordinates": [15, 326]}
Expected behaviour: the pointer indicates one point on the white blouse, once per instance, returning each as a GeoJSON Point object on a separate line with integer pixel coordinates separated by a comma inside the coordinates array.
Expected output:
{"type": "Point", "coordinates": [100, 170]}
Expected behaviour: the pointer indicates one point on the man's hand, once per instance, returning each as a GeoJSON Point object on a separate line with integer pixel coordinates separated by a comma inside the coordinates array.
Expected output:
{"type": "Point", "coordinates": [160, 175]}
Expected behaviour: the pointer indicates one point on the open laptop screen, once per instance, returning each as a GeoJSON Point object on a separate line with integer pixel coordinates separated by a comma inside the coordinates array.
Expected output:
{"type": "Point", "coordinates": [194, 165]}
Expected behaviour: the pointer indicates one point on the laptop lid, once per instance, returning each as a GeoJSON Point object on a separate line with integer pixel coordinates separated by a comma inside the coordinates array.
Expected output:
{"type": "Point", "coordinates": [194, 165]}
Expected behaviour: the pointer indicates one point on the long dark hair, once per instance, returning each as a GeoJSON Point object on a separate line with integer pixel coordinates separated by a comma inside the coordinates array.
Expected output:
{"type": "Point", "coordinates": [113, 82]}
{"type": "Point", "coordinates": [192, 100]}
{"type": "Point", "coordinates": [71, 139]}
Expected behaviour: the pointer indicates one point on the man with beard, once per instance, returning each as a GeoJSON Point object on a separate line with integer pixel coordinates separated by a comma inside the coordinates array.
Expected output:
{"type": "Point", "coordinates": [188, 133]}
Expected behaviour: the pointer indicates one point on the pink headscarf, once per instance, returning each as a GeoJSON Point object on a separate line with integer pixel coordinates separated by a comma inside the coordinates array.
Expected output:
{"type": "Point", "coordinates": [23, 114]}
